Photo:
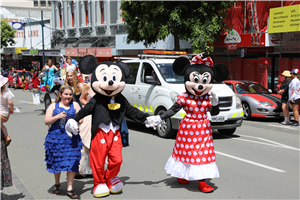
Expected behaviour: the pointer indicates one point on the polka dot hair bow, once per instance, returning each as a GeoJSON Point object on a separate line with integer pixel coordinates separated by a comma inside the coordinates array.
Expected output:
{"type": "Point", "coordinates": [198, 60]}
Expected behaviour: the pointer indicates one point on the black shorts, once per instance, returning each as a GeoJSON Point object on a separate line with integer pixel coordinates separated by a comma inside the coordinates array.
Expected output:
{"type": "Point", "coordinates": [284, 99]}
{"type": "Point", "coordinates": [297, 101]}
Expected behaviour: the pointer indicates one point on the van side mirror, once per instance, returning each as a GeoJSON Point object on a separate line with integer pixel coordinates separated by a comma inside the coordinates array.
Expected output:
{"type": "Point", "coordinates": [150, 80]}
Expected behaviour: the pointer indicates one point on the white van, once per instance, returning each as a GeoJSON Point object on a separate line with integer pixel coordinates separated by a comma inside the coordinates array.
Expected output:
{"type": "Point", "coordinates": [157, 96]}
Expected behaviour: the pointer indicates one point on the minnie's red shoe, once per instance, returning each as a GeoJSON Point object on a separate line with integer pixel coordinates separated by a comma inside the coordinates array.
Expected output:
{"type": "Point", "coordinates": [182, 181]}
{"type": "Point", "coordinates": [203, 187]}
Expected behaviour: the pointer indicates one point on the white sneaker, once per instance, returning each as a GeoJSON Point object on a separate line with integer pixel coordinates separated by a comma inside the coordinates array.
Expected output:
{"type": "Point", "coordinates": [285, 123]}
{"type": "Point", "coordinates": [100, 190]}
{"type": "Point", "coordinates": [115, 185]}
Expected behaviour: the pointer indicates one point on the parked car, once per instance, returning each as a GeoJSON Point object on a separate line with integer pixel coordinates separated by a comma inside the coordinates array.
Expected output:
{"type": "Point", "coordinates": [19, 82]}
{"type": "Point", "coordinates": [257, 101]}
{"type": "Point", "coordinates": [155, 95]}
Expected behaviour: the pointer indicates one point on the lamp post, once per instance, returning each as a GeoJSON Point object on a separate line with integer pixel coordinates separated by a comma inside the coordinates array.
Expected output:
{"type": "Point", "coordinates": [42, 24]}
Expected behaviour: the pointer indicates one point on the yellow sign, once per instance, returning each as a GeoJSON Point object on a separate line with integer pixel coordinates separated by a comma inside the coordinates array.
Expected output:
{"type": "Point", "coordinates": [284, 19]}
{"type": "Point", "coordinates": [19, 49]}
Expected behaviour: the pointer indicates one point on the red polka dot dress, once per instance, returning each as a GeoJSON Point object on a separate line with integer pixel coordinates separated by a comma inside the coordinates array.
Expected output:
{"type": "Point", "coordinates": [193, 156]}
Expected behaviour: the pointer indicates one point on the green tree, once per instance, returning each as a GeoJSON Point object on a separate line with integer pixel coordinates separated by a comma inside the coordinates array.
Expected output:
{"type": "Point", "coordinates": [7, 34]}
{"type": "Point", "coordinates": [199, 22]}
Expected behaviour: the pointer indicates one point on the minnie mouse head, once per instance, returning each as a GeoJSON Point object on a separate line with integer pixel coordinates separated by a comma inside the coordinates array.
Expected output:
{"type": "Point", "coordinates": [199, 74]}
{"type": "Point", "coordinates": [108, 78]}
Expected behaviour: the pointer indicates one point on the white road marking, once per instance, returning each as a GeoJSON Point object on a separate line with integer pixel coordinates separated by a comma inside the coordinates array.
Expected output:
{"type": "Point", "coordinates": [17, 110]}
{"type": "Point", "coordinates": [276, 144]}
{"type": "Point", "coordinates": [250, 162]}
{"type": "Point", "coordinates": [284, 126]}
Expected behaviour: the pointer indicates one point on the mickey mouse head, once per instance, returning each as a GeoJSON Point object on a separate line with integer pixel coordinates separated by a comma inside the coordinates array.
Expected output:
{"type": "Point", "coordinates": [108, 78]}
{"type": "Point", "coordinates": [199, 74]}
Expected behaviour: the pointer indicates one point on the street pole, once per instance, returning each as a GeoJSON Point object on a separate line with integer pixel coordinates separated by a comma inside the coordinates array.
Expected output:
{"type": "Point", "coordinates": [30, 31]}
{"type": "Point", "coordinates": [42, 23]}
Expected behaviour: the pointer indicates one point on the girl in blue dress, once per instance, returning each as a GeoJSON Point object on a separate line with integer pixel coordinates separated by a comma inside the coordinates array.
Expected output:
{"type": "Point", "coordinates": [62, 152]}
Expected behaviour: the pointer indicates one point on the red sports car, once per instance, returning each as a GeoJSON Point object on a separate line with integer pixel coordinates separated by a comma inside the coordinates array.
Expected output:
{"type": "Point", "coordinates": [257, 101]}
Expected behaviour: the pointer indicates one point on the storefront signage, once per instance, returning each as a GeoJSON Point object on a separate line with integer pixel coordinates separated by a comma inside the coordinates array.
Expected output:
{"type": "Point", "coordinates": [259, 50]}
{"type": "Point", "coordinates": [24, 20]}
{"type": "Point", "coordinates": [34, 33]}
{"type": "Point", "coordinates": [9, 50]}
{"type": "Point", "coordinates": [247, 40]}
{"type": "Point", "coordinates": [33, 51]}
{"type": "Point", "coordinates": [288, 39]}
{"type": "Point", "coordinates": [287, 49]}
{"type": "Point", "coordinates": [19, 49]}
{"type": "Point", "coordinates": [232, 40]}
{"type": "Point", "coordinates": [50, 53]}
{"type": "Point", "coordinates": [284, 19]}
{"type": "Point", "coordinates": [81, 52]}
{"type": "Point", "coordinates": [19, 34]}
{"type": "Point", "coordinates": [232, 37]}
{"type": "Point", "coordinates": [17, 25]}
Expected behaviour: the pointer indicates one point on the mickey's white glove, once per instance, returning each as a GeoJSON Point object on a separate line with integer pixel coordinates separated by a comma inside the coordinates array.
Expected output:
{"type": "Point", "coordinates": [214, 100]}
{"type": "Point", "coordinates": [153, 121]}
{"type": "Point", "coordinates": [71, 127]}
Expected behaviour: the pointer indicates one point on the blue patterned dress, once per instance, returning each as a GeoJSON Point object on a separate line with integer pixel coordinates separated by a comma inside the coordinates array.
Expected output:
{"type": "Point", "coordinates": [62, 152]}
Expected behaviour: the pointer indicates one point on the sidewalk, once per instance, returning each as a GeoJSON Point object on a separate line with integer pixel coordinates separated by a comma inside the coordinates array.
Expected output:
{"type": "Point", "coordinates": [17, 191]}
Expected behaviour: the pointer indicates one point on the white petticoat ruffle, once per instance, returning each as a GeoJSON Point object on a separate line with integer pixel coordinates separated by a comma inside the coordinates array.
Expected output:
{"type": "Point", "coordinates": [191, 172]}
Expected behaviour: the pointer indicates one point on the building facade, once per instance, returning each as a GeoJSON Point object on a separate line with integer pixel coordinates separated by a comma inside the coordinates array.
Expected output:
{"type": "Point", "coordinates": [85, 24]}
{"type": "Point", "coordinates": [27, 15]}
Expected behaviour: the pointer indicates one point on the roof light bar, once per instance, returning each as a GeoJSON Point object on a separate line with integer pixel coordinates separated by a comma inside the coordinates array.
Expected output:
{"type": "Point", "coordinates": [165, 52]}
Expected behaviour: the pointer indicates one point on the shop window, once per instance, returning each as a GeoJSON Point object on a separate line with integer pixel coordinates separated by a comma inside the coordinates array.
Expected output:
{"type": "Point", "coordinates": [60, 15]}
{"type": "Point", "coordinates": [35, 3]}
{"type": "Point", "coordinates": [102, 11]}
{"type": "Point", "coordinates": [43, 3]}
{"type": "Point", "coordinates": [86, 13]}
{"type": "Point", "coordinates": [49, 3]}
{"type": "Point", "coordinates": [72, 12]}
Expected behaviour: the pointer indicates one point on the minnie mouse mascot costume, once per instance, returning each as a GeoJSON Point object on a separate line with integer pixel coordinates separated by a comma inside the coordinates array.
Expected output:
{"type": "Point", "coordinates": [193, 156]}
{"type": "Point", "coordinates": [108, 108]}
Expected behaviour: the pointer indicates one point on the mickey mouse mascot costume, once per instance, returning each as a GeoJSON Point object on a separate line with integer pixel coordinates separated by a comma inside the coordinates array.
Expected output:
{"type": "Point", "coordinates": [108, 108]}
{"type": "Point", "coordinates": [193, 156]}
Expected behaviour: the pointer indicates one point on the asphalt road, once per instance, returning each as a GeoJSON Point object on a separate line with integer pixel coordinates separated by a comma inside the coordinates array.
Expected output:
{"type": "Point", "coordinates": [260, 161]}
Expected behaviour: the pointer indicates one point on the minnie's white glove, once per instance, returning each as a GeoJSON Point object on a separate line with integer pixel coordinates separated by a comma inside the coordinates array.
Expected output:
{"type": "Point", "coordinates": [153, 121]}
{"type": "Point", "coordinates": [71, 127]}
{"type": "Point", "coordinates": [214, 100]}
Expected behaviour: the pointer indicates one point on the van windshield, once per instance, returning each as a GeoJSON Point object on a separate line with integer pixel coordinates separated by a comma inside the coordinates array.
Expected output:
{"type": "Point", "coordinates": [168, 75]}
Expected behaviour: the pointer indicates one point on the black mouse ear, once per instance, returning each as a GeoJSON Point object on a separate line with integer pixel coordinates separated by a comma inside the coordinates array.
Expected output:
{"type": "Point", "coordinates": [220, 72]}
{"type": "Point", "coordinates": [87, 64]}
{"type": "Point", "coordinates": [124, 68]}
{"type": "Point", "coordinates": [180, 65]}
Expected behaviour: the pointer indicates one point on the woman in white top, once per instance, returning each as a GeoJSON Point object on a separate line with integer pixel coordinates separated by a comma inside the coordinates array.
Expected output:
{"type": "Point", "coordinates": [6, 107]}
{"type": "Point", "coordinates": [69, 66]}
{"type": "Point", "coordinates": [294, 95]}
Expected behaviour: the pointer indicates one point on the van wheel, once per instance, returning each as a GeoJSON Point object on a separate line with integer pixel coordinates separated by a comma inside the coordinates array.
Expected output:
{"type": "Point", "coordinates": [226, 131]}
{"type": "Point", "coordinates": [165, 130]}
{"type": "Point", "coordinates": [47, 100]}
{"type": "Point", "coordinates": [246, 110]}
